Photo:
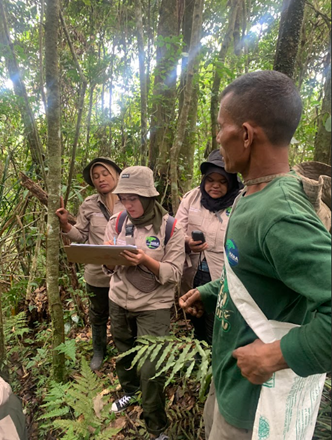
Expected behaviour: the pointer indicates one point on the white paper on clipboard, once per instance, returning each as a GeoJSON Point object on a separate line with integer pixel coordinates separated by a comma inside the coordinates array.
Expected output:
{"type": "Point", "coordinates": [98, 254]}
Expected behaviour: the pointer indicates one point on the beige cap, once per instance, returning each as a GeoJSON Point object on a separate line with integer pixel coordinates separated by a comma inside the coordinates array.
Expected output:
{"type": "Point", "coordinates": [136, 180]}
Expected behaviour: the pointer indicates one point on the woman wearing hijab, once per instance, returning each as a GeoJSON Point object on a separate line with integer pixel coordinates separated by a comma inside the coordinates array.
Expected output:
{"type": "Point", "coordinates": [142, 292]}
{"type": "Point", "coordinates": [94, 213]}
{"type": "Point", "coordinates": [207, 209]}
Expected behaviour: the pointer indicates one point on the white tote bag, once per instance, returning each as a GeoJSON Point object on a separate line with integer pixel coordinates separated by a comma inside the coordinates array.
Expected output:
{"type": "Point", "coordinates": [288, 404]}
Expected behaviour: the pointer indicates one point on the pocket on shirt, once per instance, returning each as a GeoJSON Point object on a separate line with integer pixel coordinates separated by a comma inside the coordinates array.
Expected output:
{"type": "Point", "coordinates": [98, 223]}
{"type": "Point", "coordinates": [195, 219]}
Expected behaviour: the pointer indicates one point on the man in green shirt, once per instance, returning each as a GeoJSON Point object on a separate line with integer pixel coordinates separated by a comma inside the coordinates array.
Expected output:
{"type": "Point", "coordinates": [279, 249]}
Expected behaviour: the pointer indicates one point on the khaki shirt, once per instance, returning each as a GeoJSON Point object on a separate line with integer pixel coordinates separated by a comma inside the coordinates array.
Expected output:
{"type": "Point", "coordinates": [192, 216]}
{"type": "Point", "coordinates": [171, 258]}
{"type": "Point", "coordinates": [90, 227]}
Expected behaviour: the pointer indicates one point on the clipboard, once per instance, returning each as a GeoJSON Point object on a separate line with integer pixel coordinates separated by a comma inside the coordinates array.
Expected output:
{"type": "Point", "coordinates": [98, 254]}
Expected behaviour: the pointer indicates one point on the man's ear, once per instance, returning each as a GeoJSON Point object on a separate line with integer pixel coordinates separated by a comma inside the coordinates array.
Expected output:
{"type": "Point", "coordinates": [248, 134]}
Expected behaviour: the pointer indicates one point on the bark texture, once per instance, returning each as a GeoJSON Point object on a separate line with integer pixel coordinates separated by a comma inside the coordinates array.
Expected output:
{"type": "Point", "coordinates": [54, 182]}
{"type": "Point", "coordinates": [30, 127]}
{"type": "Point", "coordinates": [289, 36]}
{"type": "Point", "coordinates": [323, 136]}
{"type": "Point", "coordinates": [164, 93]}
{"type": "Point", "coordinates": [190, 140]}
{"type": "Point", "coordinates": [183, 117]}
{"type": "Point", "coordinates": [235, 10]}
{"type": "Point", "coordinates": [143, 81]}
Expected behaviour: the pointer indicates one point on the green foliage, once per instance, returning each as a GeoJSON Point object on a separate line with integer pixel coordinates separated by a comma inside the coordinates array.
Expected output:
{"type": "Point", "coordinates": [68, 348]}
{"type": "Point", "coordinates": [323, 426]}
{"type": "Point", "coordinates": [16, 329]}
{"type": "Point", "coordinates": [185, 356]}
{"type": "Point", "coordinates": [79, 409]}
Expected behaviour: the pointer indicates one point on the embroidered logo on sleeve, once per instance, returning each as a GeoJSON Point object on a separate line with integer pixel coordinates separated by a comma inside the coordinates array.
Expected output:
{"type": "Point", "coordinates": [228, 211]}
{"type": "Point", "coordinates": [152, 242]}
{"type": "Point", "coordinates": [232, 253]}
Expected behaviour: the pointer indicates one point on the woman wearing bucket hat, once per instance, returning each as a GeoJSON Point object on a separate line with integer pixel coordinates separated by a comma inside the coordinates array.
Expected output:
{"type": "Point", "coordinates": [206, 209]}
{"type": "Point", "coordinates": [142, 293]}
{"type": "Point", "coordinates": [94, 213]}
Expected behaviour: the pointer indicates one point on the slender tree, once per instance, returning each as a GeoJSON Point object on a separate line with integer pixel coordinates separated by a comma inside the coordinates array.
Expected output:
{"type": "Point", "coordinates": [235, 9]}
{"type": "Point", "coordinates": [323, 136]}
{"type": "Point", "coordinates": [143, 80]}
{"type": "Point", "coordinates": [190, 141]}
{"type": "Point", "coordinates": [30, 127]}
{"type": "Point", "coordinates": [289, 36]}
{"type": "Point", "coordinates": [164, 93]}
{"type": "Point", "coordinates": [54, 181]}
{"type": "Point", "coordinates": [183, 117]}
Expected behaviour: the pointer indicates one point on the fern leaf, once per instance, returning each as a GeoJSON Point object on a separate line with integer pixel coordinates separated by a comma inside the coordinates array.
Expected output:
{"type": "Point", "coordinates": [140, 353]}
{"type": "Point", "coordinates": [167, 350]}
{"type": "Point", "coordinates": [156, 351]}
{"type": "Point", "coordinates": [144, 358]}
{"type": "Point", "coordinates": [68, 348]}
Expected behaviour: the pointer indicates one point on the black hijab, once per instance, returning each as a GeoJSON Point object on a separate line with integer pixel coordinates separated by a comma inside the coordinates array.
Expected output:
{"type": "Point", "coordinates": [234, 185]}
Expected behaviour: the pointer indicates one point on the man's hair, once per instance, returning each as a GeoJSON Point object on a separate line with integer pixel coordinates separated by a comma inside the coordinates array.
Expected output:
{"type": "Point", "coordinates": [269, 99]}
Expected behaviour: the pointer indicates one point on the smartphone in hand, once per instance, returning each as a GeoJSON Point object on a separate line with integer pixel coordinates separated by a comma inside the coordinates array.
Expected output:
{"type": "Point", "coordinates": [198, 236]}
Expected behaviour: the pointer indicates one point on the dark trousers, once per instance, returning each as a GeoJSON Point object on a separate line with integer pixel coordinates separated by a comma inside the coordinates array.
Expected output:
{"type": "Point", "coordinates": [126, 328]}
{"type": "Point", "coordinates": [203, 326]}
{"type": "Point", "coordinates": [99, 307]}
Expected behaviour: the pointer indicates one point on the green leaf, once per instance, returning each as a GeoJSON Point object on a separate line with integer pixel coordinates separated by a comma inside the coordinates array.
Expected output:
{"type": "Point", "coordinates": [328, 124]}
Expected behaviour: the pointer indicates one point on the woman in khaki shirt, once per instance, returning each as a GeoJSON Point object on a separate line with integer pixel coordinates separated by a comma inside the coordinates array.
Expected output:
{"type": "Point", "coordinates": [142, 293]}
{"type": "Point", "coordinates": [207, 209]}
{"type": "Point", "coordinates": [94, 213]}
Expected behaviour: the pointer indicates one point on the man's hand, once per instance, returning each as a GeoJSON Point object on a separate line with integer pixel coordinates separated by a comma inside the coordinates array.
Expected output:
{"type": "Point", "coordinates": [258, 361]}
{"type": "Point", "coordinates": [197, 246]}
{"type": "Point", "coordinates": [191, 303]}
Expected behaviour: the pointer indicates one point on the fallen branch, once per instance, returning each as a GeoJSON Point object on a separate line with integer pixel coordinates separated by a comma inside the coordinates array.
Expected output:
{"type": "Point", "coordinates": [41, 195]}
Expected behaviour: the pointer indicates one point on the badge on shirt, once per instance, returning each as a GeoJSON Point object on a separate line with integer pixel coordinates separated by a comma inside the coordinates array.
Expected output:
{"type": "Point", "coordinates": [232, 253]}
{"type": "Point", "coordinates": [228, 211]}
{"type": "Point", "coordinates": [152, 242]}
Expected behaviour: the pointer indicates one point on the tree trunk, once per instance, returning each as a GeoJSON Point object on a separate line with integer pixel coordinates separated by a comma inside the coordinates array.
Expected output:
{"type": "Point", "coordinates": [164, 94]}
{"type": "Point", "coordinates": [143, 81]}
{"type": "Point", "coordinates": [3, 367]}
{"type": "Point", "coordinates": [323, 136]}
{"type": "Point", "coordinates": [28, 119]}
{"type": "Point", "coordinates": [190, 141]}
{"type": "Point", "coordinates": [54, 182]}
{"type": "Point", "coordinates": [289, 36]}
{"type": "Point", "coordinates": [183, 118]}
{"type": "Point", "coordinates": [235, 9]}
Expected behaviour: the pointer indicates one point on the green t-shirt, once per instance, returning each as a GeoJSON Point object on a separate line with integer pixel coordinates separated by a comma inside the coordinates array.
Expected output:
{"type": "Point", "coordinates": [281, 252]}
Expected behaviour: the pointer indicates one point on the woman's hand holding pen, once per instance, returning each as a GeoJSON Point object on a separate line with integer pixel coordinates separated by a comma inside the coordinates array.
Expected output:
{"type": "Point", "coordinates": [135, 259]}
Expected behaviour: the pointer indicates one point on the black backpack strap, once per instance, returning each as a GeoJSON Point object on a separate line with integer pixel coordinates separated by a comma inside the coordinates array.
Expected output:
{"type": "Point", "coordinates": [120, 220]}
{"type": "Point", "coordinates": [104, 211]}
{"type": "Point", "coordinates": [170, 226]}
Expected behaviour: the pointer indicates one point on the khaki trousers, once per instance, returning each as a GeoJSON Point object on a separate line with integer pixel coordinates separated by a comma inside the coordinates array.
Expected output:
{"type": "Point", "coordinates": [216, 427]}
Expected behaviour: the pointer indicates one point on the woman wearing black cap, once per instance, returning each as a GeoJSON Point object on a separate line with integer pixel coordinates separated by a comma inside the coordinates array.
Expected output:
{"type": "Point", "coordinates": [207, 209]}
{"type": "Point", "coordinates": [94, 213]}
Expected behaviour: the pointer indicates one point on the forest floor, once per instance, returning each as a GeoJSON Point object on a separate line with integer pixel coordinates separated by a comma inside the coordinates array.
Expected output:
{"type": "Point", "coordinates": [30, 367]}
{"type": "Point", "coordinates": [31, 383]}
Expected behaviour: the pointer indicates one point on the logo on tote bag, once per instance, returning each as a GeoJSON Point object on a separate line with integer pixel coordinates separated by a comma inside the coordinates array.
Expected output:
{"type": "Point", "coordinates": [264, 429]}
